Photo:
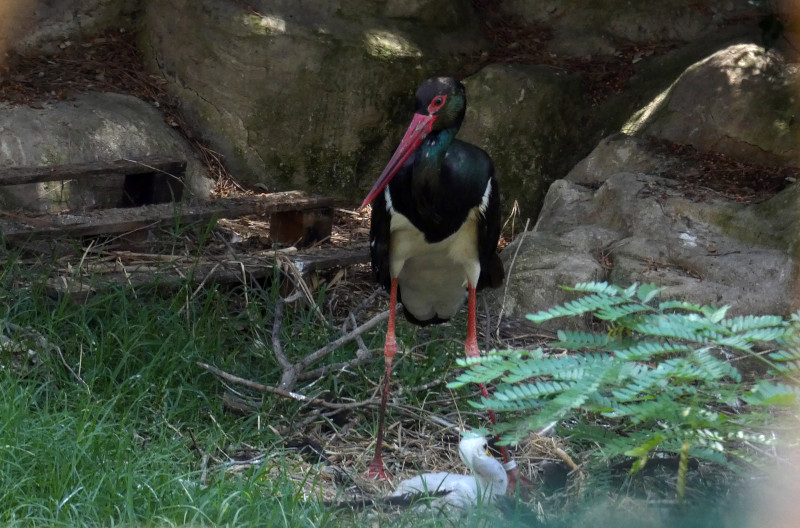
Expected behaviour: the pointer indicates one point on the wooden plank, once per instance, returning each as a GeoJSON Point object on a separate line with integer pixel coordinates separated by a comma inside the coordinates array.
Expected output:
{"type": "Point", "coordinates": [301, 228]}
{"type": "Point", "coordinates": [76, 171]}
{"type": "Point", "coordinates": [208, 271]}
{"type": "Point", "coordinates": [123, 220]}
{"type": "Point", "coordinates": [322, 259]}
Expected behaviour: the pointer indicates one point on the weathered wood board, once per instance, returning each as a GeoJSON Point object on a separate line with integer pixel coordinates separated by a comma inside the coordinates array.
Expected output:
{"type": "Point", "coordinates": [82, 171]}
{"type": "Point", "coordinates": [16, 227]}
{"type": "Point", "coordinates": [174, 271]}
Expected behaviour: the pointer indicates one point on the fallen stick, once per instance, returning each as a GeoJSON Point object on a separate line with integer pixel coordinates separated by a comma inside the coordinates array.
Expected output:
{"type": "Point", "coordinates": [297, 371]}
{"type": "Point", "coordinates": [283, 393]}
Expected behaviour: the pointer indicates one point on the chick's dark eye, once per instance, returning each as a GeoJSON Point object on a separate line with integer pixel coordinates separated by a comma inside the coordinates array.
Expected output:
{"type": "Point", "coordinates": [438, 101]}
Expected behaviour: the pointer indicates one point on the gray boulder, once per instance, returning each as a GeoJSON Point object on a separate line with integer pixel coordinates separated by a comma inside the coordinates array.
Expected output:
{"type": "Point", "coordinates": [305, 95]}
{"type": "Point", "coordinates": [92, 127]}
{"type": "Point", "coordinates": [582, 28]}
{"type": "Point", "coordinates": [628, 212]}
{"type": "Point", "coordinates": [641, 226]}
{"type": "Point", "coordinates": [740, 101]}
{"type": "Point", "coordinates": [43, 25]}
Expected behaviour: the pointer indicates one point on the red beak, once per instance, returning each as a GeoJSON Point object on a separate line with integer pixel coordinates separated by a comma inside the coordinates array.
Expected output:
{"type": "Point", "coordinates": [419, 128]}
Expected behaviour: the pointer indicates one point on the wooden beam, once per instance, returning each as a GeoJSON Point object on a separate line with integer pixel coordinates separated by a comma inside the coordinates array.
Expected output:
{"type": "Point", "coordinates": [218, 270]}
{"type": "Point", "coordinates": [122, 220]}
{"type": "Point", "coordinates": [76, 171]}
{"type": "Point", "coordinates": [301, 228]}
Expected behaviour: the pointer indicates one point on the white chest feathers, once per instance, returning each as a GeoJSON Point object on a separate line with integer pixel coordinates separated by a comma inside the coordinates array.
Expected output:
{"type": "Point", "coordinates": [433, 277]}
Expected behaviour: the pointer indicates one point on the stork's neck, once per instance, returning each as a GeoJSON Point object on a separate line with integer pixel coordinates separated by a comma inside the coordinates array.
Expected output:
{"type": "Point", "coordinates": [426, 179]}
{"type": "Point", "coordinates": [490, 476]}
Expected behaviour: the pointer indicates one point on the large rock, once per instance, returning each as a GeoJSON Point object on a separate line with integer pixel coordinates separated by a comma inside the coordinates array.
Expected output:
{"type": "Point", "coordinates": [582, 28]}
{"type": "Point", "coordinates": [740, 101]}
{"type": "Point", "coordinates": [528, 118]}
{"type": "Point", "coordinates": [309, 95]}
{"type": "Point", "coordinates": [628, 211]}
{"type": "Point", "coordinates": [92, 127]}
{"type": "Point", "coordinates": [640, 226]}
{"type": "Point", "coordinates": [33, 26]}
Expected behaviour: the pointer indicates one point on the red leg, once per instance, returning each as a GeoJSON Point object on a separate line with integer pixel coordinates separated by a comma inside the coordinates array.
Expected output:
{"type": "Point", "coordinates": [376, 469]}
{"type": "Point", "coordinates": [472, 350]}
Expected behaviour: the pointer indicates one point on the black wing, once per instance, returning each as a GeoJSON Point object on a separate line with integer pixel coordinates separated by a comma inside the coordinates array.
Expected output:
{"type": "Point", "coordinates": [492, 273]}
{"type": "Point", "coordinates": [380, 223]}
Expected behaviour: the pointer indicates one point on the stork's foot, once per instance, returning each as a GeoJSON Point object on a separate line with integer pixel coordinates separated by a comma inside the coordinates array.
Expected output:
{"type": "Point", "coordinates": [376, 471]}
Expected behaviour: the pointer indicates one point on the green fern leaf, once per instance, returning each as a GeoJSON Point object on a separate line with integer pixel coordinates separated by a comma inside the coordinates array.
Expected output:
{"type": "Point", "coordinates": [578, 340]}
{"type": "Point", "coordinates": [647, 292]}
{"type": "Point", "coordinates": [679, 305]}
{"type": "Point", "coordinates": [645, 350]}
{"type": "Point", "coordinates": [766, 393]}
{"type": "Point", "coordinates": [612, 313]}
{"type": "Point", "coordinates": [750, 322]}
{"type": "Point", "coordinates": [595, 287]}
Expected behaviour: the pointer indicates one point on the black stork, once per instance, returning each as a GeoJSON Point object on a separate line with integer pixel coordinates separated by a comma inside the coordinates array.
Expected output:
{"type": "Point", "coordinates": [435, 226]}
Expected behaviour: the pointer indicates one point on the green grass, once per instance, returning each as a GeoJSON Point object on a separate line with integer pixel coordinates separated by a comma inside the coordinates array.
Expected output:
{"type": "Point", "coordinates": [126, 444]}
{"type": "Point", "coordinates": [118, 450]}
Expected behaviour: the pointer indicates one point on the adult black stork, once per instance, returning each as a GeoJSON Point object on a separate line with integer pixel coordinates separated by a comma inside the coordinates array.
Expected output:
{"type": "Point", "coordinates": [435, 226]}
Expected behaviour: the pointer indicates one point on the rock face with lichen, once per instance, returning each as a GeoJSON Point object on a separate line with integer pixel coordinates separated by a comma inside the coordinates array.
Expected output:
{"type": "Point", "coordinates": [631, 212]}
{"type": "Point", "coordinates": [739, 101]}
{"type": "Point", "coordinates": [34, 26]}
{"type": "Point", "coordinates": [518, 112]}
{"type": "Point", "coordinates": [581, 28]}
{"type": "Point", "coordinates": [304, 95]}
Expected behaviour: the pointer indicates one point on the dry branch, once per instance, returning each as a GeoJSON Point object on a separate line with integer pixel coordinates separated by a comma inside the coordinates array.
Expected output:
{"type": "Point", "coordinates": [292, 372]}
{"type": "Point", "coordinates": [283, 393]}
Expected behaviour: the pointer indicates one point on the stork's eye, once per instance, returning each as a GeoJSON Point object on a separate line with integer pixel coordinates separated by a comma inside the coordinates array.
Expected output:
{"type": "Point", "coordinates": [436, 103]}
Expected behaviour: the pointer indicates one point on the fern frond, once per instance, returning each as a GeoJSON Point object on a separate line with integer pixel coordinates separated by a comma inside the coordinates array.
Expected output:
{"type": "Point", "coordinates": [562, 367]}
{"type": "Point", "coordinates": [595, 287]}
{"type": "Point", "coordinates": [752, 322]}
{"type": "Point", "coordinates": [679, 305]}
{"type": "Point", "coordinates": [690, 327]}
{"type": "Point", "coordinates": [714, 314]}
{"type": "Point", "coordinates": [767, 393]}
{"type": "Point", "coordinates": [785, 355]}
{"type": "Point", "coordinates": [531, 391]}
{"type": "Point", "coordinates": [648, 292]}
{"type": "Point", "coordinates": [614, 312]}
{"type": "Point", "coordinates": [576, 307]}
{"type": "Point", "coordinates": [578, 340]}
{"type": "Point", "coordinates": [645, 350]}
{"type": "Point", "coordinates": [661, 373]}
{"type": "Point", "coordinates": [743, 339]}
{"type": "Point", "coordinates": [785, 362]}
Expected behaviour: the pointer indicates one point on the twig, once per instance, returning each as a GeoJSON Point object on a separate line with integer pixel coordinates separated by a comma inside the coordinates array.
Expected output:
{"type": "Point", "coordinates": [366, 302]}
{"type": "Point", "coordinates": [361, 345]}
{"type": "Point", "coordinates": [155, 169]}
{"type": "Point", "coordinates": [301, 283]}
{"type": "Point", "coordinates": [74, 374]}
{"type": "Point", "coordinates": [199, 287]}
{"type": "Point", "coordinates": [508, 277]}
{"type": "Point", "coordinates": [297, 371]}
{"type": "Point", "coordinates": [290, 370]}
{"type": "Point", "coordinates": [284, 393]}
{"type": "Point", "coordinates": [333, 345]}
{"type": "Point", "coordinates": [323, 371]}
{"type": "Point", "coordinates": [566, 458]}
{"type": "Point", "coordinates": [277, 347]}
